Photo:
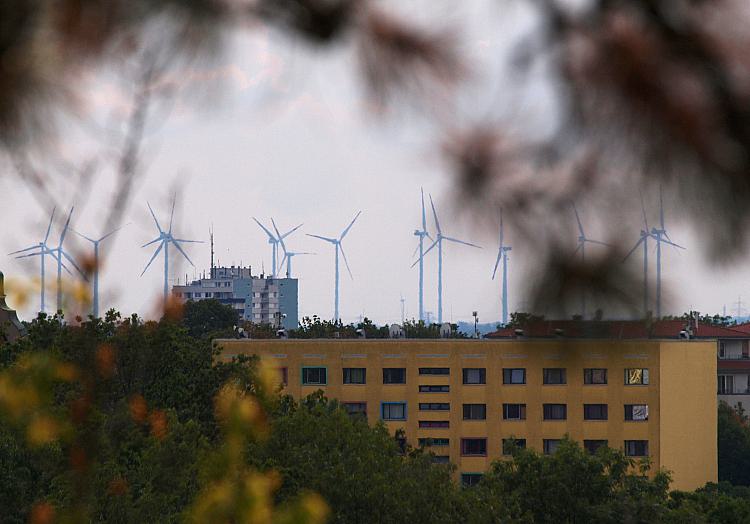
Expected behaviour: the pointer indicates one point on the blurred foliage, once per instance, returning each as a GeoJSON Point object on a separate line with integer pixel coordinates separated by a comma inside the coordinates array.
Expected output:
{"type": "Point", "coordinates": [734, 445]}
{"type": "Point", "coordinates": [208, 318]}
{"type": "Point", "coordinates": [711, 320]}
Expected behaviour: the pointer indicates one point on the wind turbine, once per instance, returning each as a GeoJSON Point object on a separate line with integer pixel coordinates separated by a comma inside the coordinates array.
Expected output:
{"type": "Point", "coordinates": [662, 237]}
{"type": "Point", "coordinates": [645, 235]}
{"type": "Point", "coordinates": [59, 254]}
{"type": "Point", "coordinates": [502, 252]}
{"type": "Point", "coordinates": [439, 237]}
{"type": "Point", "coordinates": [582, 240]}
{"type": "Point", "coordinates": [165, 238]}
{"type": "Point", "coordinates": [95, 301]}
{"type": "Point", "coordinates": [43, 249]}
{"type": "Point", "coordinates": [288, 255]}
{"type": "Point", "coordinates": [421, 234]}
{"type": "Point", "coordinates": [339, 248]}
{"type": "Point", "coordinates": [274, 241]}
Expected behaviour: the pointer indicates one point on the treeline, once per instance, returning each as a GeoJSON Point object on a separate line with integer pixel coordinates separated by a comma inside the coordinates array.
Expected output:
{"type": "Point", "coordinates": [122, 420]}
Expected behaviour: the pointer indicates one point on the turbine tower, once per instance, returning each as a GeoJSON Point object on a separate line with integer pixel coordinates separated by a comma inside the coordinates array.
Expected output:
{"type": "Point", "coordinates": [502, 252]}
{"type": "Point", "coordinates": [43, 250]}
{"type": "Point", "coordinates": [645, 235]}
{"type": "Point", "coordinates": [95, 300]}
{"type": "Point", "coordinates": [165, 238]}
{"type": "Point", "coordinates": [274, 241]}
{"type": "Point", "coordinates": [288, 255]}
{"type": "Point", "coordinates": [421, 234]}
{"type": "Point", "coordinates": [582, 240]}
{"type": "Point", "coordinates": [662, 237]}
{"type": "Point", "coordinates": [338, 248]}
{"type": "Point", "coordinates": [439, 237]}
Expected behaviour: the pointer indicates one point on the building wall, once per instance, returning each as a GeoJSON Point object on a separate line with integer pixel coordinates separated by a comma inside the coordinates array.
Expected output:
{"type": "Point", "coordinates": [682, 411]}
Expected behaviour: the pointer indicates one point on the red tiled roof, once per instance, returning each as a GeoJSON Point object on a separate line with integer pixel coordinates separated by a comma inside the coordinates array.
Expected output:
{"type": "Point", "coordinates": [744, 328]}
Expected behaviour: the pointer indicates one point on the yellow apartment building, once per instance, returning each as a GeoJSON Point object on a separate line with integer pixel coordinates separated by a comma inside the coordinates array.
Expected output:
{"type": "Point", "coordinates": [650, 398]}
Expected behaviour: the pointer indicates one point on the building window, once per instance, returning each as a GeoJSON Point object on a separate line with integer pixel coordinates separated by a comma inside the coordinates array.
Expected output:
{"type": "Point", "coordinates": [592, 446]}
{"type": "Point", "coordinates": [314, 376]}
{"type": "Point", "coordinates": [197, 295]}
{"type": "Point", "coordinates": [636, 377]}
{"type": "Point", "coordinates": [209, 294]}
{"type": "Point", "coordinates": [434, 371]}
{"type": "Point", "coordinates": [476, 447]}
{"type": "Point", "coordinates": [434, 424]}
{"type": "Point", "coordinates": [394, 375]}
{"type": "Point", "coordinates": [470, 479]}
{"type": "Point", "coordinates": [722, 349]}
{"type": "Point", "coordinates": [510, 444]}
{"type": "Point", "coordinates": [514, 411]}
{"type": "Point", "coordinates": [594, 412]}
{"type": "Point", "coordinates": [595, 376]}
{"type": "Point", "coordinates": [393, 410]}
{"type": "Point", "coordinates": [188, 295]}
{"type": "Point", "coordinates": [514, 376]}
{"type": "Point", "coordinates": [355, 375]}
{"type": "Point", "coordinates": [554, 376]}
{"type": "Point", "coordinates": [555, 411]}
{"type": "Point", "coordinates": [434, 389]}
{"type": "Point", "coordinates": [434, 442]}
{"type": "Point", "coordinates": [636, 412]}
{"type": "Point", "coordinates": [355, 408]}
{"type": "Point", "coordinates": [475, 376]}
{"type": "Point", "coordinates": [475, 411]}
{"type": "Point", "coordinates": [441, 459]}
{"type": "Point", "coordinates": [636, 448]}
{"type": "Point", "coordinates": [283, 376]}
{"type": "Point", "coordinates": [726, 384]}
{"type": "Point", "coordinates": [551, 445]}
{"type": "Point", "coordinates": [434, 406]}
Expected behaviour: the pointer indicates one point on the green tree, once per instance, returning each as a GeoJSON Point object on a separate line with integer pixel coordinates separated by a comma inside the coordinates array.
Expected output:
{"type": "Point", "coordinates": [207, 318]}
{"type": "Point", "coordinates": [734, 445]}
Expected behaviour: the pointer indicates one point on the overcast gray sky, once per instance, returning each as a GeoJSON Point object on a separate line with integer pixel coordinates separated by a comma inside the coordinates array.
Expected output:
{"type": "Point", "coordinates": [284, 131]}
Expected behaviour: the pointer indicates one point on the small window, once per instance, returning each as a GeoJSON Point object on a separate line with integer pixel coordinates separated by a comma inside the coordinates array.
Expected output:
{"type": "Point", "coordinates": [514, 411]}
{"type": "Point", "coordinates": [283, 376]}
{"type": "Point", "coordinates": [355, 375]}
{"type": "Point", "coordinates": [434, 406]}
{"type": "Point", "coordinates": [393, 410]}
{"type": "Point", "coordinates": [636, 377]}
{"type": "Point", "coordinates": [555, 411]}
{"type": "Point", "coordinates": [394, 375]}
{"type": "Point", "coordinates": [636, 448]}
{"type": "Point", "coordinates": [315, 376]}
{"type": "Point", "coordinates": [725, 384]}
{"type": "Point", "coordinates": [475, 376]}
{"type": "Point", "coordinates": [551, 445]}
{"type": "Point", "coordinates": [554, 376]}
{"type": "Point", "coordinates": [434, 442]}
{"type": "Point", "coordinates": [434, 424]}
{"type": "Point", "coordinates": [592, 446]}
{"type": "Point", "coordinates": [470, 479]}
{"type": "Point", "coordinates": [441, 459]}
{"type": "Point", "coordinates": [595, 376]}
{"type": "Point", "coordinates": [355, 408]}
{"type": "Point", "coordinates": [434, 389]}
{"type": "Point", "coordinates": [475, 411]}
{"type": "Point", "coordinates": [474, 447]}
{"type": "Point", "coordinates": [595, 412]}
{"type": "Point", "coordinates": [510, 443]}
{"type": "Point", "coordinates": [514, 376]}
{"type": "Point", "coordinates": [636, 412]}
{"type": "Point", "coordinates": [434, 371]}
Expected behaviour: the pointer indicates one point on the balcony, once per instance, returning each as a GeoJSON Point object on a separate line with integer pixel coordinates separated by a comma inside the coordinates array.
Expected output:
{"type": "Point", "coordinates": [734, 357]}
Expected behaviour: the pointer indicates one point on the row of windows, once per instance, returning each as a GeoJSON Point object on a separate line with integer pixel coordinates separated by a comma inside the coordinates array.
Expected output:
{"type": "Point", "coordinates": [551, 376]}
{"type": "Point", "coordinates": [478, 446]}
{"type": "Point", "coordinates": [398, 410]}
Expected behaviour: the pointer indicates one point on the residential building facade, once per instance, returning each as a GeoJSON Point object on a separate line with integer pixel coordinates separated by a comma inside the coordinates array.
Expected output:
{"type": "Point", "coordinates": [257, 299]}
{"type": "Point", "coordinates": [468, 399]}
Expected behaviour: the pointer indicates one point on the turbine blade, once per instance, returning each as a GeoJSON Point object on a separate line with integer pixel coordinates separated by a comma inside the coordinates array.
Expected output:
{"type": "Point", "coordinates": [435, 243]}
{"type": "Point", "coordinates": [73, 263]}
{"type": "Point", "coordinates": [331, 240]}
{"type": "Point", "coordinates": [643, 208]}
{"type": "Point", "coordinates": [171, 215]}
{"type": "Point", "coordinates": [597, 242]}
{"type": "Point", "coordinates": [672, 243]}
{"type": "Point", "coordinates": [153, 241]}
{"type": "Point", "coordinates": [451, 239]}
{"type": "Point", "coordinates": [497, 262]}
{"type": "Point", "coordinates": [661, 208]}
{"type": "Point", "coordinates": [179, 248]}
{"type": "Point", "coordinates": [154, 217]}
{"type": "Point", "coordinates": [434, 213]}
{"type": "Point", "coordinates": [49, 226]}
{"type": "Point", "coordinates": [25, 249]}
{"type": "Point", "coordinates": [346, 262]}
{"type": "Point", "coordinates": [501, 228]}
{"type": "Point", "coordinates": [424, 216]}
{"type": "Point", "coordinates": [65, 229]}
{"type": "Point", "coordinates": [343, 234]}
{"type": "Point", "coordinates": [290, 232]}
{"type": "Point", "coordinates": [578, 248]}
{"type": "Point", "coordinates": [113, 232]}
{"type": "Point", "coordinates": [640, 241]}
{"type": "Point", "coordinates": [82, 235]}
{"type": "Point", "coordinates": [190, 241]}
{"type": "Point", "coordinates": [270, 235]}
{"type": "Point", "coordinates": [153, 257]}
{"type": "Point", "coordinates": [578, 219]}
{"type": "Point", "coordinates": [415, 251]}
{"type": "Point", "coordinates": [279, 237]}
{"type": "Point", "coordinates": [29, 255]}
